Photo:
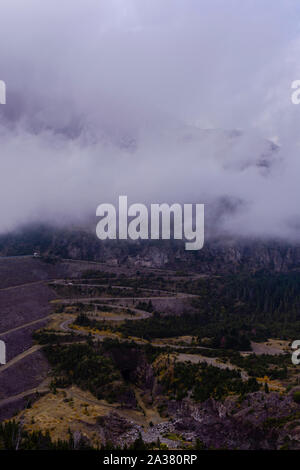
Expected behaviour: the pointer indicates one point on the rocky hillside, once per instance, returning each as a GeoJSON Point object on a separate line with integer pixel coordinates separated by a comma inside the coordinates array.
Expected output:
{"type": "Point", "coordinates": [215, 257]}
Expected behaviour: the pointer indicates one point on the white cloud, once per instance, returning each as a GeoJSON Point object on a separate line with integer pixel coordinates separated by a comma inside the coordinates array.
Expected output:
{"type": "Point", "coordinates": [106, 98]}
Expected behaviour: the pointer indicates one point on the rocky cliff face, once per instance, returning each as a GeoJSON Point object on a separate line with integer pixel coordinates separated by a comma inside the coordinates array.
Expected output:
{"type": "Point", "coordinates": [257, 421]}
{"type": "Point", "coordinates": [216, 256]}
{"type": "Point", "coordinates": [260, 421]}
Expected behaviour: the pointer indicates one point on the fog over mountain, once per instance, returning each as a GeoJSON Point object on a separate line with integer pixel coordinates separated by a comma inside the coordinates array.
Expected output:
{"type": "Point", "coordinates": [163, 101]}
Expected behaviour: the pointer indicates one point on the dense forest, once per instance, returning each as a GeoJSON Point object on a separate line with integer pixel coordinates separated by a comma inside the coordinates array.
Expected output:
{"type": "Point", "coordinates": [205, 382]}
{"type": "Point", "coordinates": [94, 367]}
{"type": "Point", "coordinates": [232, 311]}
{"type": "Point", "coordinates": [84, 365]}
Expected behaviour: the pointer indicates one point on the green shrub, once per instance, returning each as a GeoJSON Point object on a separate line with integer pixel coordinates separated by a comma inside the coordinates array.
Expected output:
{"type": "Point", "coordinates": [296, 397]}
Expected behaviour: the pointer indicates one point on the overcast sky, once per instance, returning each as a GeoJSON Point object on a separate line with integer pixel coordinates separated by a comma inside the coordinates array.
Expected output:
{"type": "Point", "coordinates": [145, 98]}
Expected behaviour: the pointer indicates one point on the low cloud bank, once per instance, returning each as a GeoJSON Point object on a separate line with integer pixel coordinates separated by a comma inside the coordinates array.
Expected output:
{"type": "Point", "coordinates": [161, 101]}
